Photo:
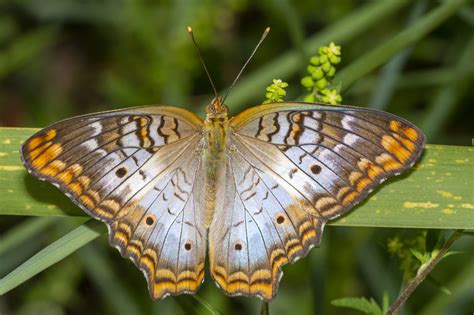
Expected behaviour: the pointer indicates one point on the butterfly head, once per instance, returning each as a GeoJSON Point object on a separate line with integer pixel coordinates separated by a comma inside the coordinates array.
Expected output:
{"type": "Point", "coordinates": [217, 109]}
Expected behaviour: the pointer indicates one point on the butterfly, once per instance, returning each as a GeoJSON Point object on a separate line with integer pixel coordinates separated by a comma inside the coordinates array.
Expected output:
{"type": "Point", "coordinates": [256, 189]}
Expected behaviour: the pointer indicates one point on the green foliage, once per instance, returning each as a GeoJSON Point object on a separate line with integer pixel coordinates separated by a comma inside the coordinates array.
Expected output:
{"type": "Point", "coordinates": [51, 255]}
{"type": "Point", "coordinates": [322, 70]}
{"type": "Point", "coordinates": [275, 92]}
{"type": "Point", "coordinates": [366, 306]}
{"type": "Point", "coordinates": [404, 248]}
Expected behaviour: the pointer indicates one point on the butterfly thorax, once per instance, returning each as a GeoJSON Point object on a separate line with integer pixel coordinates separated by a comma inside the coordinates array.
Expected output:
{"type": "Point", "coordinates": [216, 132]}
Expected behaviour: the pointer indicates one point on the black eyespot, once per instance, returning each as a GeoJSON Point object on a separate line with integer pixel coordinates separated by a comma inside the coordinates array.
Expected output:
{"type": "Point", "coordinates": [280, 219]}
{"type": "Point", "coordinates": [149, 221]}
{"type": "Point", "coordinates": [121, 172]}
{"type": "Point", "coordinates": [238, 246]}
{"type": "Point", "coordinates": [187, 246]}
{"type": "Point", "coordinates": [316, 169]}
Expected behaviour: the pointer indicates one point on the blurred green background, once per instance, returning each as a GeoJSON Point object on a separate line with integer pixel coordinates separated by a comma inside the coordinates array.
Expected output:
{"type": "Point", "coordinates": [64, 58]}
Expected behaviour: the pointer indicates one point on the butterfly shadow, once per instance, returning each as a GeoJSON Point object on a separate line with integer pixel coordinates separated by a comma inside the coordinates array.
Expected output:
{"type": "Point", "coordinates": [51, 197]}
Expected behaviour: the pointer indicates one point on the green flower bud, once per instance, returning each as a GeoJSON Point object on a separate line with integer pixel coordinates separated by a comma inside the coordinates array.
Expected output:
{"type": "Point", "coordinates": [322, 70]}
{"type": "Point", "coordinates": [331, 72]}
{"type": "Point", "coordinates": [317, 74]}
{"type": "Point", "coordinates": [280, 92]}
{"type": "Point", "coordinates": [321, 84]}
{"type": "Point", "coordinates": [307, 82]}
{"type": "Point", "coordinates": [334, 59]}
{"type": "Point", "coordinates": [314, 60]}
{"type": "Point", "coordinates": [326, 66]}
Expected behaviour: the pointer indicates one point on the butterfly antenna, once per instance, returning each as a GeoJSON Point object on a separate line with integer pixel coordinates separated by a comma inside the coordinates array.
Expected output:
{"type": "Point", "coordinates": [265, 33]}
{"type": "Point", "coordinates": [190, 31]}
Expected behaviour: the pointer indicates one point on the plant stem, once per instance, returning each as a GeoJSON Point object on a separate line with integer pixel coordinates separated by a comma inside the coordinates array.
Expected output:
{"type": "Point", "coordinates": [415, 282]}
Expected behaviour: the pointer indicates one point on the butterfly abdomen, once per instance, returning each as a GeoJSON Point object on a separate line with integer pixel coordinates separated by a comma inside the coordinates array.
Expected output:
{"type": "Point", "coordinates": [215, 151]}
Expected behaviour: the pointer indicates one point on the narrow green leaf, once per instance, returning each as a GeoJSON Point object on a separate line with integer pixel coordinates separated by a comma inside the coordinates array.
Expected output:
{"type": "Point", "coordinates": [381, 54]}
{"type": "Point", "coordinates": [360, 304]}
{"type": "Point", "coordinates": [447, 97]}
{"type": "Point", "coordinates": [24, 49]}
{"type": "Point", "coordinates": [385, 302]}
{"type": "Point", "coordinates": [414, 80]}
{"type": "Point", "coordinates": [453, 252]}
{"type": "Point", "coordinates": [24, 231]}
{"type": "Point", "coordinates": [52, 254]}
{"type": "Point", "coordinates": [110, 284]}
{"type": "Point", "coordinates": [206, 304]}
{"type": "Point", "coordinates": [436, 194]}
{"type": "Point", "coordinates": [422, 258]}
{"type": "Point", "coordinates": [386, 83]}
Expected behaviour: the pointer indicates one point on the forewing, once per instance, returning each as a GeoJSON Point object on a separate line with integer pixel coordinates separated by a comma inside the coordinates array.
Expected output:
{"type": "Point", "coordinates": [136, 170]}
{"type": "Point", "coordinates": [291, 168]}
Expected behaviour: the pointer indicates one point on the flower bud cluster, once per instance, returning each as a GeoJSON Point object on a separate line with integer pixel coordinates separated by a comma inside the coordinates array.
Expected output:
{"type": "Point", "coordinates": [322, 70]}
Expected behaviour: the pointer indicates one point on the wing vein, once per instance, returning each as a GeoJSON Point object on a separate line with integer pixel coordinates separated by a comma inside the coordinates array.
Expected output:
{"type": "Point", "coordinates": [276, 175]}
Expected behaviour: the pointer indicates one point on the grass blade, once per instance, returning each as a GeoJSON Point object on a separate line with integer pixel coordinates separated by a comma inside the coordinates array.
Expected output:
{"type": "Point", "coordinates": [447, 97]}
{"type": "Point", "coordinates": [51, 254]}
{"type": "Point", "coordinates": [385, 87]}
{"type": "Point", "coordinates": [436, 194]}
{"type": "Point", "coordinates": [206, 304]}
{"type": "Point", "coordinates": [376, 57]}
{"type": "Point", "coordinates": [110, 284]}
{"type": "Point", "coordinates": [25, 49]}
{"type": "Point", "coordinates": [24, 231]}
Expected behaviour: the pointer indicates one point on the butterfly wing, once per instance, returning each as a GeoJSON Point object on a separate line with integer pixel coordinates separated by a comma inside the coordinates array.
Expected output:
{"type": "Point", "coordinates": [293, 167]}
{"type": "Point", "coordinates": [135, 170]}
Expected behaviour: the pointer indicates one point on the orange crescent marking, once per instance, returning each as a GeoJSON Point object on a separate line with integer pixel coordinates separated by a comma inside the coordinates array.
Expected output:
{"type": "Point", "coordinates": [349, 198]}
{"type": "Point", "coordinates": [87, 201]}
{"type": "Point", "coordinates": [395, 125]}
{"type": "Point", "coordinates": [394, 147]}
{"type": "Point", "coordinates": [411, 134]}
{"type": "Point", "coordinates": [36, 141]}
{"type": "Point", "coordinates": [53, 168]}
{"type": "Point", "coordinates": [388, 163]}
{"type": "Point", "coordinates": [407, 143]}
{"type": "Point", "coordinates": [364, 182]}
{"type": "Point", "coordinates": [47, 156]}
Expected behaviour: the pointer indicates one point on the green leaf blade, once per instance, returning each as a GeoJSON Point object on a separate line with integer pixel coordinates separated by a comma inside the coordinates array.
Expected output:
{"type": "Point", "coordinates": [359, 304]}
{"type": "Point", "coordinates": [436, 194]}
{"type": "Point", "coordinates": [51, 254]}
